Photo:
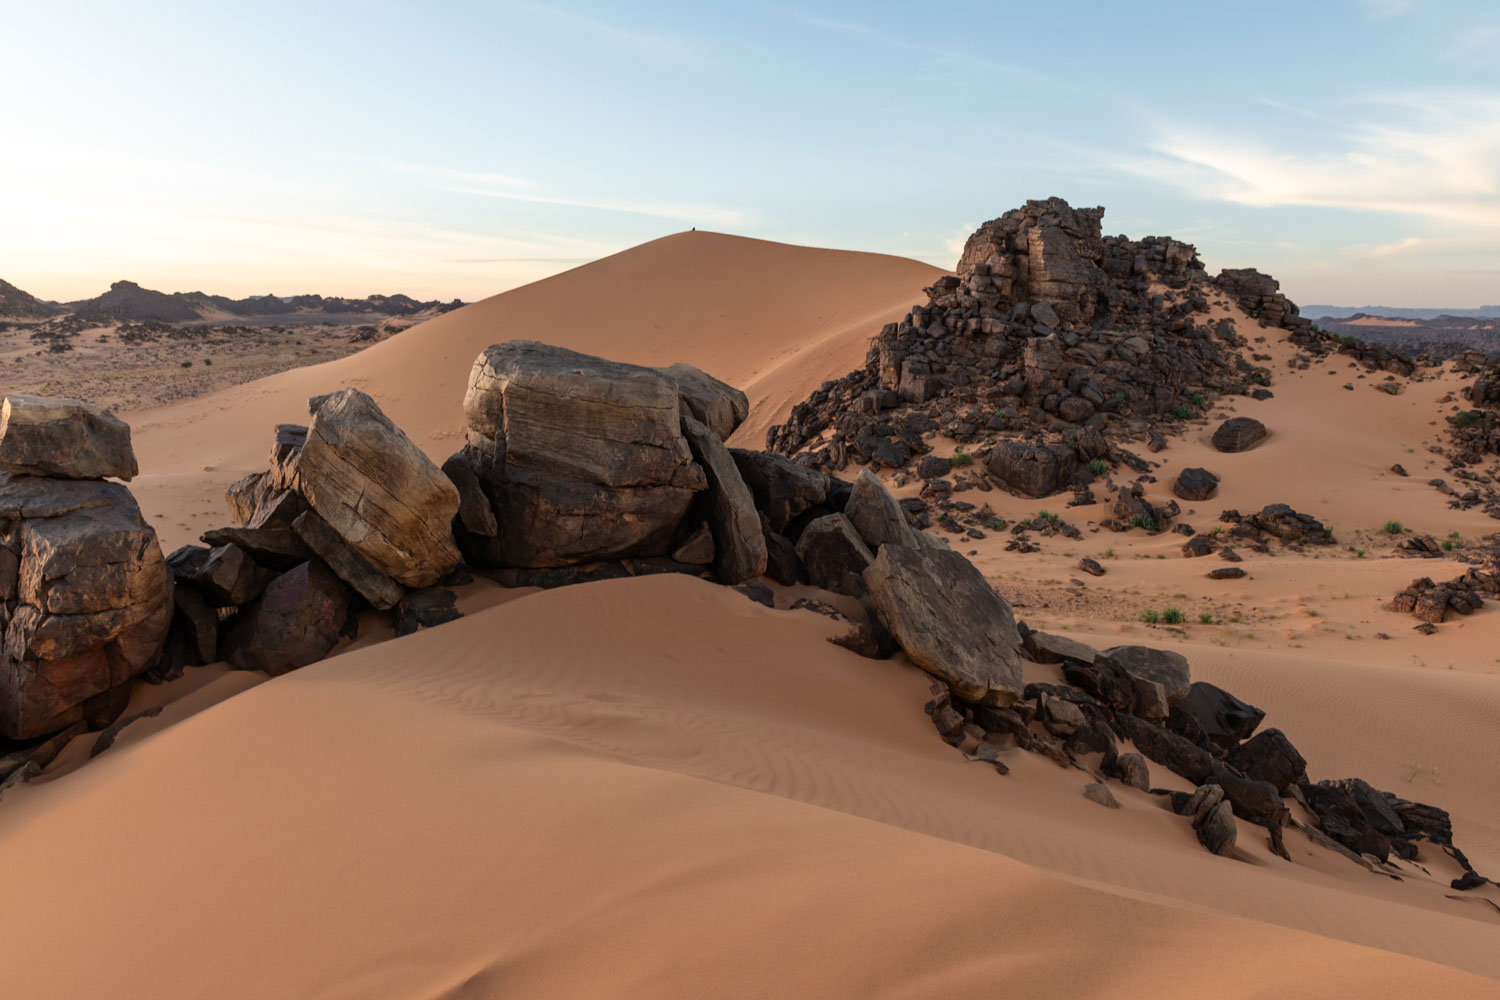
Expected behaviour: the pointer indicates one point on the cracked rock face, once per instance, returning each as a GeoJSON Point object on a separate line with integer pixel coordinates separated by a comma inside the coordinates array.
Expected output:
{"type": "Point", "coordinates": [377, 490]}
{"type": "Point", "coordinates": [582, 459]}
{"type": "Point", "coordinates": [87, 598]}
{"type": "Point", "coordinates": [64, 438]}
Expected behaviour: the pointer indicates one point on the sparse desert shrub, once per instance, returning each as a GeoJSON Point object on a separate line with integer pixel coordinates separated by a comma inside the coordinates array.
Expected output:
{"type": "Point", "coordinates": [1172, 616]}
{"type": "Point", "coordinates": [187, 364]}
{"type": "Point", "coordinates": [1468, 418]}
{"type": "Point", "coordinates": [1048, 516]}
{"type": "Point", "coordinates": [1393, 528]}
{"type": "Point", "coordinates": [1182, 412]}
{"type": "Point", "coordinates": [1205, 619]}
{"type": "Point", "coordinates": [1150, 617]}
{"type": "Point", "coordinates": [1109, 553]}
{"type": "Point", "coordinates": [1198, 399]}
{"type": "Point", "coordinates": [1142, 521]}
{"type": "Point", "coordinates": [1359, 553]}
{"type": "Point", "coordinates": [1098, 466]}
{"type": "Point", "coordinates": [962, 458]}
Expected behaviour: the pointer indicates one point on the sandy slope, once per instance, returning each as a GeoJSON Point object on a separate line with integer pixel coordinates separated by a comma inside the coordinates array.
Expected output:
{"type": "Point", "coordinates": [654, 787]}
{"type": "Point", "coordinates": [773, 319]}
{"type": "Point", "coordinates": [673, 792]}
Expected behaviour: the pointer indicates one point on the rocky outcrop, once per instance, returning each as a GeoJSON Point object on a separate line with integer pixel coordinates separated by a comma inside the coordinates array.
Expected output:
{"type": "Point", "coordinates": [582, 459]}
{"type": "Point", "coordinates": [377, 490]}
{"type": "Point", "coordinates": [294, 622]}
{"type": "Point", "coordinates": [948, 620]}
{"type": "Point", "coordinates": [87, 599]}
{"type": "Point", "coordinates": [1036, 470]}
{"type": "Point", "coordinates": [717, 405]}
{"type": "Point", "coordinates": [63, 438]}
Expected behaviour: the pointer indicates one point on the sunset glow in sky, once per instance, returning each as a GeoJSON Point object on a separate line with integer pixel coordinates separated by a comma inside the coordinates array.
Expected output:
{"type": "Point", "coordinates": [1350, 147]}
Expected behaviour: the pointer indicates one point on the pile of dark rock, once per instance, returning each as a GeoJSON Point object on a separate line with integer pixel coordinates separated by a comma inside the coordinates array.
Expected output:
{"type": "Point", "coordinates": [85, 596]}
{"type": "Point", "coordinates": [1433, 602]}
{"type": "Point", "coordinates": [1107, 701]}
{"type": "Point", "coordinates": [1048, 331]}
{"type": "Point", "coordinates": [1279, 521]}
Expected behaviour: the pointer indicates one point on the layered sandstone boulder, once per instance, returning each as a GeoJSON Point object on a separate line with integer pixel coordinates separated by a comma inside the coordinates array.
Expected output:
{"type": "Point", "coordinates": [377, 490]}
{"type": "Point", "coordinates": [63, 438]}
{"type": "Point", "coordinates": [582, 459]}
{"type": "Point", "coordinates": [87, 599]}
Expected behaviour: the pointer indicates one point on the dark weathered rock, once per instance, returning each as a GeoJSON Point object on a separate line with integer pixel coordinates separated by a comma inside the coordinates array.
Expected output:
{"type": "Point", "coordinates": [1035, 470]}
{"type": "Point", "coordinates": [782, 488]}
{"type": "Point", "coordinates": [63, 438]}
{"type": "Point", "coordinates": [1217, 829]}
{"type": "Point", "coordinates": [1095, 792]}
{"type": "Point", "coordinates": [474, 512]}
{"type": "Point", "coordinates": [1091, 566]}
{"type": "Point", "coordinates": [782, 564]}
{"type": "Point", "coordinates": [106, 739]}
{"type": "Point", "coordinates": [1132, 770]}
{"type": "Point", "coordinates": [247, 494]}
{"type": "Point", "coordinates": [1239, 434]}
{"type": "Point", "coordinates": [1226, 573]}
{"type": "Point", "coordinates": [425, 608]}
{"type": "Point", "coordinates": [1283, 522]}
{"type": "Point", "coordinates": [1045, 647]}
{"type": "Point", "coordinates": [1207, 712]}
{"type": "Point", "coordinates": [1195, 484]}
{"type": "Point", "coordinates": [717, 405]}
{"type": "Point", "coordinates": [275, 548]}
{"type": "Point", "coordinates": [739, 541]}
{"type": "Point", "coordinates": [197, 623]}
{"type": "Point", "coordinates": [1269, 756]}
{"type": "Point", "coordinates": [1168, 749]}
{"type": "Point", "coordinates": [285, 450]}
{"type": "Point", "coordinates": [698, 548]}
{"type": "Point", "coordinates": [949, 620]}
{"type": "Point", "coordinates": [228, 577]}
{"type": "Point", "coordinates": [1199, 545]}
{"type": "Point", "coordinates": [1163, 666]}
{"type": "Point", "coordinates": [91, 598]}
{"type": "Point", "coordinates": [354, 569]}
{"type": "Point", "coordinates": [295, 621]}
{"type": "Point", "coordinates": [877, 516]}
{"type": "Point", "coordinates": [830, 549]}
{"type": "Point", "coordinates": [378, 491]}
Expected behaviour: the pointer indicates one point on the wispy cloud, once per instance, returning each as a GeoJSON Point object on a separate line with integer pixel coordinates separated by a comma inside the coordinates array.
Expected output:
{"type": "Point", "coordinates": [1392, 249]}
{"type": "Point", "coordinates": [1430, 153]}
{"type": "Point", "coordinates": [508, 188]}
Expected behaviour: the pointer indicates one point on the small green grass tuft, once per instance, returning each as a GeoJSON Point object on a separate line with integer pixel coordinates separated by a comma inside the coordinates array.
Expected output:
{"type": "Point", "coordinates": [1150, 617]}
{"type": "Point", "coordinates": [1205, 619]}
{"type": "Point", "coordinates": [1142, 521]}
{"type": "Point", "coordinates": [1098, 466]}
{"type": "Point", "coordinates": [961, 459]}
{"type": "Point", "coordinates": [1182, 412]}
{"type": "Point", "coordinates": [1468, 418]}
{"type": "Point", "coordinates": [1172, 616]}
{"type": "Point", "coordinates": [1393, 528]}
{"type": "Point", "coordinates": [1198, 399]}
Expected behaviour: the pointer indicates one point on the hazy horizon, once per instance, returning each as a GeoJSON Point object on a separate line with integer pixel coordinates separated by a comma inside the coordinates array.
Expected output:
{"type": "Point", "coordinates": [460, 150]}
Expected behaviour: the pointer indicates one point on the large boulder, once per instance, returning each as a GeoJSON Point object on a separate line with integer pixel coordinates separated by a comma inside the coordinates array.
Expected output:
{"type": "Point", "coordinates": [949, 620]}
{"type": "Point", "coordinates": [378, 490]}
{"type": "Point", "coordinates": [831, 551]}
{"type": "Point", "coordinates": [582, 459]}
{"type": "Point", "coordinates": [1160, 666]}
{"type": "Point", "coordinates": [1035, 470]}
{"type": "Point", "coordinates": [877, 516]}
{"type": "Point", "coordinates": [739, 540]}
{"type": "Point", "coordinates": [783, 489]}
{"type": "Point", "coordinates": [89, 594]}
{"type": "Point", "coordinates": [717, 405]}
{"type": "Point", "coordinates": [294, 622]}
{"type": "Point", "coordinates": [1239, 434]}
{"type": "Point", "coordinates": [64, 438]}
{"type": "Point", "coordinates": [1195, 484]}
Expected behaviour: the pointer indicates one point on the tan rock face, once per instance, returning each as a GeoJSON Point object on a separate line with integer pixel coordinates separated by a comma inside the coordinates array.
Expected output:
{"type": "Point", "coordinates": [582, 459]}
{"type": "Point", "coordinates": [948, 620]}
{"type": "Point", "coordinates": [93, 599]}
{"type": "Point", "coordinates": [375, 488]}
{"type": "Point", "coordinates": [65, 438]}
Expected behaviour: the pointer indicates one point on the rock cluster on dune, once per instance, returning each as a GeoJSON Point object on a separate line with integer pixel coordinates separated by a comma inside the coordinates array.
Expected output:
{"type": "Point", "coordinates": [87, 597]}
{"type": "Point", "coordinates": [1049, 330]}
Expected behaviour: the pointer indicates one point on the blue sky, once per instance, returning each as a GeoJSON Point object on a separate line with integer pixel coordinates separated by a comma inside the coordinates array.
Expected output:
{"type": "Point", "coordinates": [1350, 147]}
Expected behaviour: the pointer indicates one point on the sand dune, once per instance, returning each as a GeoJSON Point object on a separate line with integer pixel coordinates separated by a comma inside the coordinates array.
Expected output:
{"type": "Point", "coordinates": [654, 787]}
{"type": "Point", "coordinates": [690, 795]}
{"type": "Point", "coordinates": [774, 320]}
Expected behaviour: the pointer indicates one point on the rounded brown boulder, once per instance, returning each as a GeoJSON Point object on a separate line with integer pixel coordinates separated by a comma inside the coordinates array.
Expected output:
{"type": "Point", "coordinates": [1239, 434]}
{"type": "Point", "coordinates": [1195, 484]}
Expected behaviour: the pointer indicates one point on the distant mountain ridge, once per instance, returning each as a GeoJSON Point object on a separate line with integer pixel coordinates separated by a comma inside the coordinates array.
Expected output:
{"type": "Point", "coordinates": [17, 304]}
{"type": "Point", "coordinates": [1397, 312]}
{"type": "Point", "coordinates": [128, 301]}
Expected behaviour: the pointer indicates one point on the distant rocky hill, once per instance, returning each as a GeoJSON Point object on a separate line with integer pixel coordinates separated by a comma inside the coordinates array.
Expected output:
{"type": "Point", "coordinates": [16, 304]}
{"type": "Point", "coordinates": [1320, 313]}
{"type": "Point", "coordinates": [1442, 336]}
{"type": "Point", "coordinates": [127, 300]}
